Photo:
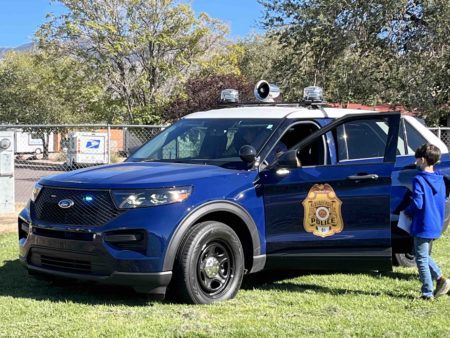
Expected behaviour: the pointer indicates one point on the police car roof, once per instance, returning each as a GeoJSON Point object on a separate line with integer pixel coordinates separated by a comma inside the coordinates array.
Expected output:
{"type": "Point", "coordinates": [275, 112]}
{"type": "Point", "coordinates": [297, 112]}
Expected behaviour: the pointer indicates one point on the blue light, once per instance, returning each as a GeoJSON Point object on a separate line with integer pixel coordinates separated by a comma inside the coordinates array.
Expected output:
{"type": "Point", "coordinates": [88, 198]}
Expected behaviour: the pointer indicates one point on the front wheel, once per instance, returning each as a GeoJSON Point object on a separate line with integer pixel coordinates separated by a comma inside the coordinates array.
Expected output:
{"type": "Point", "coordinates": [210, 264]}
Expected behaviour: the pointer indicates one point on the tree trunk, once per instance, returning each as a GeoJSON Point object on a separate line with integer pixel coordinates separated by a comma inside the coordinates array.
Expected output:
{"type": "Point", "coordinates": [45, 137]}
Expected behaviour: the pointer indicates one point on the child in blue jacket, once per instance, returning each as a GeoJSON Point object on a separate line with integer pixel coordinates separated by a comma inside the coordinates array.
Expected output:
{"type": "Point", "coordinates": [427, 210]}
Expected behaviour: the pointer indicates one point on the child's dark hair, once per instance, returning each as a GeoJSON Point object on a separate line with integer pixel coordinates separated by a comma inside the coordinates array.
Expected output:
{"type": "Point", "coordinates": [429, 152]}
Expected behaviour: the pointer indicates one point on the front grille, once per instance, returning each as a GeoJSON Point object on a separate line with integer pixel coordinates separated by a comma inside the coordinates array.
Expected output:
{"type": "Point", "coordinates": [64, 234]}
{"type": "Point", "coordinates": [65, 264]}
{"type": "Point", "coordinates": [59, 263]}
{"type": "Point", "coordinates": [93, 208]}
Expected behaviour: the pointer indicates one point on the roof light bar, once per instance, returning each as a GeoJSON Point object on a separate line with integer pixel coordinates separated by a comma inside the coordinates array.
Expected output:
{"type": "Point", "coordinates": [229, 96]}
{"type": "Point", "coordinates": [313, 94]}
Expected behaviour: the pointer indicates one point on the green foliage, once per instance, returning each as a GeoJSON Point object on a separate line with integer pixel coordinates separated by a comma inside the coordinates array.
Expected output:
{"type": "Point", "coordinates": [367, 51]}
{"type": "Point", "coordinates": [223, 61]}
{"type": "Point", "coordinates": [141, 50]}
{"type": "Point", "coordinates": [142, 61]}
{"type": "Point", "coordinates": [26, 87]}
{"type": "Point", "coordinates": [203, 93]}
{"type": "Point", "coordinates": [258, 58]}
{"type": "Point", "coordinates": [38, 89]}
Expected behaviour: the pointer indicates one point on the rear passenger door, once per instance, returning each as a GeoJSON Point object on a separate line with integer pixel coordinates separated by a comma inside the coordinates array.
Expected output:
{"type": "Point", "coordinates": [334, 213]}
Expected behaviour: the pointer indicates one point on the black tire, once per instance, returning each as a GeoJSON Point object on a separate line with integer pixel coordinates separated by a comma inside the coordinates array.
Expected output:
{"type": "Point", "coordinates": [407, 260]}
{"type": "Point", "coordinates": [209, 265]}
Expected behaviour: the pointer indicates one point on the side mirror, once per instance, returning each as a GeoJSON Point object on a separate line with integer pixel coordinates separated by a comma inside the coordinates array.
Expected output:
{"type": "Point", "coordinates": [247, 153]}
{"type": "Point", "coordinates": [132, 150]}
{"type": "Point", "coordinates": [289, 159]}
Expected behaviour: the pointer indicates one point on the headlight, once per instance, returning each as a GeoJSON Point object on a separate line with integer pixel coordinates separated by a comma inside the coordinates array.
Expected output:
{"type": "Point", "coordinates": [36, 190]}
{"type": "Point", "coordinates": [126, 199]}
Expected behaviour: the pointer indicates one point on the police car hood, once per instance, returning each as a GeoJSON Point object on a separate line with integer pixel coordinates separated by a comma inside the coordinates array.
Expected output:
{"type": "Point", "coordinates": [139, 175]}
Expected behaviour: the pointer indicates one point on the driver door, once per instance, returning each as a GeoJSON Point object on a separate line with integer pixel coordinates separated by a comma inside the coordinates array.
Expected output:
{"type": "Point", "coordinates": [335, 213]}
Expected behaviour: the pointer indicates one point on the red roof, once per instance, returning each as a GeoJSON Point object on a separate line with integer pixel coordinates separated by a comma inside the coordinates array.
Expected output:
{"type": "Point", "coordinates": [380, 107]}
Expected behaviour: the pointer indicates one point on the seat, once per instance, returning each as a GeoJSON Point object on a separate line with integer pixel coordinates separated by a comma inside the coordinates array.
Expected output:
{"type": "Point", "coordinates": [213, 144]}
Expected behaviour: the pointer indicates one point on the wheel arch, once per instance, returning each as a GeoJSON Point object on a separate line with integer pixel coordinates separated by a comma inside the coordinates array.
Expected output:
{"type": "Point", "coordinates": [232, 215]}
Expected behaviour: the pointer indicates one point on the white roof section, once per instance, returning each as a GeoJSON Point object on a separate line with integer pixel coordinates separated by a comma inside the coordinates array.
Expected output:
{"type": "Point", "coordinates": [257, 112]}
{"type": "Point", "coordinates": [275, 112]}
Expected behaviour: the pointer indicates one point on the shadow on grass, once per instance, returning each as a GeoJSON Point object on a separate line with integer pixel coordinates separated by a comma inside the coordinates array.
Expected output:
{"type": "Point", "coordinates": [16, 282]}
{"type": "Point", "coordinates": [268, 281]}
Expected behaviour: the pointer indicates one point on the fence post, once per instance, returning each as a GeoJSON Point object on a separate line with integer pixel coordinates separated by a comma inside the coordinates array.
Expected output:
{"type": "Point", "coordinates": [109, 143]}
{"type": "Point", "coordinates": [439, 133]}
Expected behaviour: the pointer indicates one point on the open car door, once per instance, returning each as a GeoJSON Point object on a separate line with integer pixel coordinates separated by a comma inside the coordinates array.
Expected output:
{"type": "Point", "coordinates": [333, 213]}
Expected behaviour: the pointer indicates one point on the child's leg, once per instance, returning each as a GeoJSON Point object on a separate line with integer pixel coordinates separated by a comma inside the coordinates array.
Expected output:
{"type": "Point", "coordinates": [422, 249]}
{"type": "Point", "coordinates": [436, 272]}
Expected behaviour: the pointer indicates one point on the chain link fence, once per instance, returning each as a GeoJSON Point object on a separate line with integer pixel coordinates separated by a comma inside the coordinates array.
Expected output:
{"type": "Point", "coordinates": [42, 150]}
{"type": "Point", "coordinates": [443, 133]}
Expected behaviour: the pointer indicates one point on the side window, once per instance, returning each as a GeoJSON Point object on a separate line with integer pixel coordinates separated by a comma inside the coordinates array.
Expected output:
{"type": "Point", "coordinates": [314, 154]}
{"type": "Point", "coordinates": [34, 139]}
{"type": "Point", "coordinates": [414, 139]}
{"type": "Point", "coordinates": [361, 139]}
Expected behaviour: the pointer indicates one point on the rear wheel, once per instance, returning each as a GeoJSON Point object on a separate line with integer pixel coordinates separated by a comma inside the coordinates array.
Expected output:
{"type": "Point", "coordinates": [210, 264]}
{"type": "Point", "coordinates": [407, 260]}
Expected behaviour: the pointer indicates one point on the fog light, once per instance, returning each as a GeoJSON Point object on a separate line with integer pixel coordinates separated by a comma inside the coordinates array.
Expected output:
{"type": "Point", "coordinates": [133, 240]}
{"type": "Point", "coordinates": [23, 228]}
{"type": "Point", "coordinates": [123, 238]}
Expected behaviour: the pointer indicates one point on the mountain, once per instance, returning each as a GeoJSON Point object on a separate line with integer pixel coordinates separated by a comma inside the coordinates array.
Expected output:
{"type": "Point", "coordinates": [22, 48]}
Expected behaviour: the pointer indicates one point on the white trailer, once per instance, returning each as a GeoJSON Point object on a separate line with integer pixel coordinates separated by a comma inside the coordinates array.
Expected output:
{"type": "Point", "coordinates": [30, 143]}
{"type": "Point", "coordinates": [87, 148]}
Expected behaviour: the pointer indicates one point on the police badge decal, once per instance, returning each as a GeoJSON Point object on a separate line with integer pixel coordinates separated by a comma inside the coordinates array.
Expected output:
{"type": "Point", "coordinates": [322, 210]}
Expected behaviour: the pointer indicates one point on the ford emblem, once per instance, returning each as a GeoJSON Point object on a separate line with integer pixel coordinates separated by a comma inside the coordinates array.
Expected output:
{"type": "Point", "coordinates": [65, 204]}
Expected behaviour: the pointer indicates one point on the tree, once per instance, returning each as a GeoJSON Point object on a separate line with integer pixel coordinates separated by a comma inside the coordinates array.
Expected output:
{"type": "Point", "coordinates": [37, 90]}
{"type": "Point", "coordinates": [365, 50]}
{"type": "Point", "coordinates": [143, 50]}
{"type": "Point", "coordinates": [203, 93]}
{"type": "Point", "coordinates": [258, 57]}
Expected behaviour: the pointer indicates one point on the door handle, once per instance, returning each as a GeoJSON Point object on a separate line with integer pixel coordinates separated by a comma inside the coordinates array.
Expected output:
{"type": "Point", "coordinates": [363, 177]}
{"type": "Point", "coordinates": [283, 172]}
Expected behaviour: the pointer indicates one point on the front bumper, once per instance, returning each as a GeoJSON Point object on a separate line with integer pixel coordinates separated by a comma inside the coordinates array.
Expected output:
{"type": "Point", "coordinates": [86, 256]}
{"type": "Point", "coordinates": [151, 283]}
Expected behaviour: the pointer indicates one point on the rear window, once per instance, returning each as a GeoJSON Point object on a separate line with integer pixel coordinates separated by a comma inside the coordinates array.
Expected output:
{"type": "Point", "coordinates": [414, 139]}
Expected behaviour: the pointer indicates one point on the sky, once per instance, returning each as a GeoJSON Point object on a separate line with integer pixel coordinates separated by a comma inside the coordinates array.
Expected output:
{"type": "Point", "coordinates": [19, 19]}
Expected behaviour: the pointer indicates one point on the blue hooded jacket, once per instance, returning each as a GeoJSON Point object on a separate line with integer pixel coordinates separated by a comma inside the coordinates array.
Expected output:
{"type": "Point", "coordinates": [427, 207]}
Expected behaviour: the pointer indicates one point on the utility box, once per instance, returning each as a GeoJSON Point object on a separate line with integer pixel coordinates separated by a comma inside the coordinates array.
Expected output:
{"type": "Point", "coordinates": [87, 148]}
{"type": "Point", "coordinates": [7, 200]}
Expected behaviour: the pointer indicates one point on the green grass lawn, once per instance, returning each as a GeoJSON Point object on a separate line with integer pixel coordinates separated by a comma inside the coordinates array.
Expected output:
{"type": "Point", "coordinates": [307, 305]}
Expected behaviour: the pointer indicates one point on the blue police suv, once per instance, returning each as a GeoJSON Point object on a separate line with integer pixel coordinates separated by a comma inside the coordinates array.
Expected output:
{"type": "Point", "coordinates": [227, 192]}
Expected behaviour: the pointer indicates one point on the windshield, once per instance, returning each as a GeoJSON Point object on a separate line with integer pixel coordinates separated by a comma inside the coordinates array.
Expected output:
{"type": "Point", "coordinates": [207, 141]}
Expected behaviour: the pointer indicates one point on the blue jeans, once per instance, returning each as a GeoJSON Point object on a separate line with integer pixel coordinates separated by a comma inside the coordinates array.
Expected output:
{"type": "Point", "coordinates": [428, 269]}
